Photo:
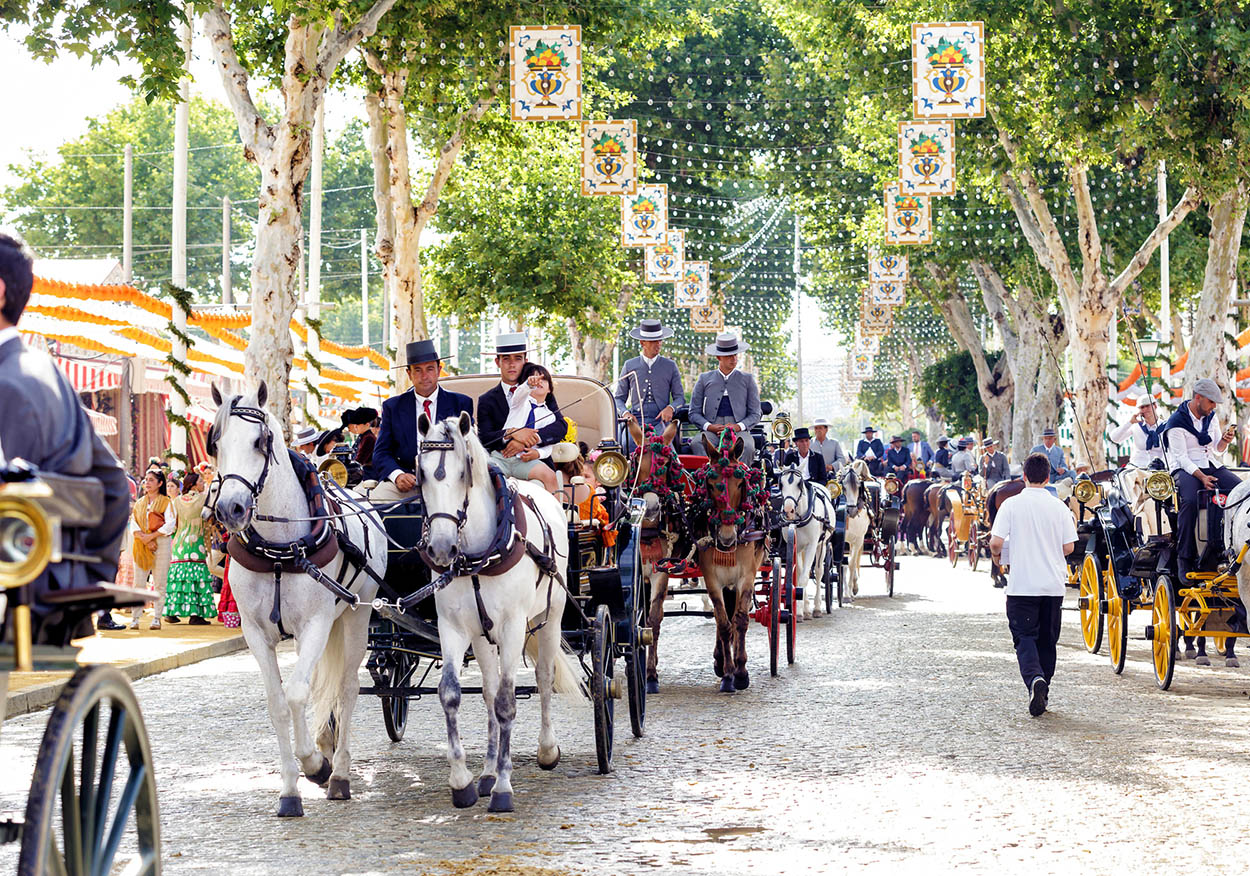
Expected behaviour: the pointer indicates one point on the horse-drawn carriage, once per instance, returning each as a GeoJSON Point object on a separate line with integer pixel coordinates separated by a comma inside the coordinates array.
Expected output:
{"type": "Point", "coordinates": [604, 617]}
{"type": "Point", "coordinates": [92, 806]}
{"type": "Point", "coordinates": [884, 497]}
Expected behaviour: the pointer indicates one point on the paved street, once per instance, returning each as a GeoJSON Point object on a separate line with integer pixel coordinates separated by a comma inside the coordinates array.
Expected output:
{"type": "Point", "coordinates": [899, 743]}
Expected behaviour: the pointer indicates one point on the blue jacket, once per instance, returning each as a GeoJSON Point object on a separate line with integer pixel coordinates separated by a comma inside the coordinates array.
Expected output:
{"type": "Point", "coordinates": [396, 449]}
{"type": "Point", "coordinates": [926, 452]}
{"type": "Point", "coordinates": [875, 445]}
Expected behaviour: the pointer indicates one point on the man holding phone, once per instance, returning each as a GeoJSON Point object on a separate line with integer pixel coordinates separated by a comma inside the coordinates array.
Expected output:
{"type": "Point", "coordinates": [1194, 441]}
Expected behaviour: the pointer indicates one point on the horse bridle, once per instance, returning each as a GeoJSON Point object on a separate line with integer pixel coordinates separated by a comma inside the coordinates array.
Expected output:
{"type": "Point", "coordinates": [442, 448]}
{"type": "Point", "coordinates": [791, 471]}
{"type": "Point", "coordinates": [254, 488]}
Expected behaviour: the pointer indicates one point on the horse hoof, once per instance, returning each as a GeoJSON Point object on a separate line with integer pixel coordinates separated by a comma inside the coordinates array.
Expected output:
{"type": "Point", "coordinates": [1202, 660]}
{"type": "Point", "coordinates": [321, 776]}
{"type": "Point", "coordinates": [553, 764]}
{"type": "Point", "coordinates": [464, 797]}
{"type": "Point", "coordinates": [1232, 663]}
{"type": "Point", "coordinates": [1190, 653]}
{"type": "Point", "coordinates": [290, 807]}
{"type": "Point", "coordinates": [500, 801]}
{"type": "Point", "coordinates": [340, 789]}
{"type": "Point", "coordinates": [484, 785]}
{"type": "Point", "coordinates": [653, 686]}
{"type": "Point", "coordinates": [727, 685]}
{"type": "Point", "coordinates": [742, 680]}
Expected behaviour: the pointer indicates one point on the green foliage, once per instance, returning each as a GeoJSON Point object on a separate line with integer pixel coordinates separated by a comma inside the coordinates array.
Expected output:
{"type": "Point", "coordinates": [950, 385]}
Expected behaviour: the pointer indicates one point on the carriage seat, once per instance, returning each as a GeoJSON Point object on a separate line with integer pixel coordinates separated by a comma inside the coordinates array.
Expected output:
{"type": "Point", "coordinates": [1209, 530]}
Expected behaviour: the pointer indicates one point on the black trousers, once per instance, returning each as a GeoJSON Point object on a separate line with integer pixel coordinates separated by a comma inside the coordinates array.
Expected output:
{"type": "Point", "coordinates": [1034, 623]}
{"type": "Point", "coordinates": [1187, 517]}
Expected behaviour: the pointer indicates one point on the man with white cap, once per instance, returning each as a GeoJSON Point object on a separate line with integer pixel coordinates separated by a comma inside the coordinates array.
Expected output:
{"type": "Point", "coordinates": [650, 385]}
{"type": "Point", "coordinates": [1145, 431]}
{"type": "Point", "coordinates": [493, 407]}
{"type": "Point", "coordinates": [829, 448]}
{"type": "Point", "coordinates": [725, 397]}
{"type": "Point", "coordinates": [1193, 441]}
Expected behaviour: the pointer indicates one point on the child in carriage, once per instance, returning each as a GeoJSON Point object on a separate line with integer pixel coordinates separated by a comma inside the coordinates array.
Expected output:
{"type": "Point", "coordinates": [527, 408]}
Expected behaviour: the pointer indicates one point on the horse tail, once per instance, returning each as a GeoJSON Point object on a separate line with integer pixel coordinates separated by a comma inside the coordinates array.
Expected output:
{"type": "Point", "coordinates": [327, 679]}
{"type": "Point", "coordinates": [568, 676]}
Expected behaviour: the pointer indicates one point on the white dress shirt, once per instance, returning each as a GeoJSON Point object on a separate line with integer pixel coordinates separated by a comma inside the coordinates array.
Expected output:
{"type": "Point", "coordinates": [1184, 451]}
{"type": "Point", "coordinates": [651, 361]}
{"type": "Point", "coordinates": [1141, 457]}
{"type": "Point", "coordinates": [520, 403]}
{"type": "Point", "coordinates": [421, 400]}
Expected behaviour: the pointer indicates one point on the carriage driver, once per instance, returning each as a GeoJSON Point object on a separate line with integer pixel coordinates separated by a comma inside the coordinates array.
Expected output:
{"type": "Point", "coordinates": [650, 385]}
{"type": "Point", "coordinates": [725, 397]}
{"type": "Point", "coordinates": [1190, 436]}
{"type": "Point", "coordinates": [395, 453]}
{"type": "Point", "coordinates": [871, 450]}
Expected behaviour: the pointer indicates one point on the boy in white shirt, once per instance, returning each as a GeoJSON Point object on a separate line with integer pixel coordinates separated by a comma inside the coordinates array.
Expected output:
{"type": "Point", "coordinates": [1041, 533]}
{"type": "Point", "coordinates": [527, 409]}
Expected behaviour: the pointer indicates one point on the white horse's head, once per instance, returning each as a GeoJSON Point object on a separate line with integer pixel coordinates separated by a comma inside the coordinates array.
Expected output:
{"type": "Point", "coordinates": [792, 490]}
{"type": "Point", "coordinates": [241, 440]}
{"type": "Point", "coordinates": [1237, 522]}
{"type": "Point", "coordinates": [450, 465]}
{"type": "Point", "coordinates": [852, 484]}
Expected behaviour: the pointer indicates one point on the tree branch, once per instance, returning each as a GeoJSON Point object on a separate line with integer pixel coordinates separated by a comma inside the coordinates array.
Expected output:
{"type": "Point", "coordinates": [1088, 238]}
{"type": "Point", "coordinates": [1146, 251]}
{"type": "Point", "coordinates": [994, 293]}
{"type": "Point", "coordinates": [256, 134]}
{"type": "Point", "coordinates": [341, 41]}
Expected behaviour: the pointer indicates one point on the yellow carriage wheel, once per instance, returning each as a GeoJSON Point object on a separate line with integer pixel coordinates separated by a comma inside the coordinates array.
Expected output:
{"type": "Point", "coordinates": [1089, 603]}
{"type": "Point", "coordinates": [1163, 634]}
{"type": "Point", "coordinates": [1117, 624]}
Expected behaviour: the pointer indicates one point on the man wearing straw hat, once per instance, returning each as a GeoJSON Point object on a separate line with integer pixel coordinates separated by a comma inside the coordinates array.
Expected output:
{"type": "Point", "coordinates": [725, 397]}
{"type": "Point", "coordinates": [650, 385]}
{"type": "Point", "coordinates": [399, 442]}
{"type": "Point", "coordinates": [829, 448]}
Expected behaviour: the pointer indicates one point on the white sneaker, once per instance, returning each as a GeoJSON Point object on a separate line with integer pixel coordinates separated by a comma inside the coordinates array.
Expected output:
{"type": "Point", "coordinates": [134, 624]}
{"type": "Point", "coordinates": [156, 624]}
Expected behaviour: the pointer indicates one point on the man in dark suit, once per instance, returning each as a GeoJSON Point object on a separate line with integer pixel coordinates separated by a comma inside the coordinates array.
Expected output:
{"type": "Point", "coordinates": [45, 424]}
{"type": "Point", "coordinates": [395, 452]}
{"type": "Point", "coordinates": [898, 459]}
{"type": "Point", "coordinates": [493, 407]}
{"type": "Point", "coordinates": [921, 452]}
{"type": "Point", "coordinates": [871, 450]}
{"type": "Point", "coordinates": [811, 464]}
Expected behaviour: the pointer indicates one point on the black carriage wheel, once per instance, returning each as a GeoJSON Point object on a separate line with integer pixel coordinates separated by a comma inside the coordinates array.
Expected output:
{"type": "Point", "coordinates": [843, 571]}
{"type": "Point", "coordinates": [636, 658]}
{"type": "Point", "coordinates": [92, 799]}
{"type": "Point", "coordinates": [974, 547]}
{"type": "Point", "coordinates": [889, 569]}
{"type": "Point", "coordinates": [601, 672]}
{"type": "Point", "coordinates": [395, 709]}
{"type": "Point", "coordinates": [827, 579]}
{"type": "Point", "coordinates": [774, 617]}
{"type": "Point", "coordinates": [792, 590]}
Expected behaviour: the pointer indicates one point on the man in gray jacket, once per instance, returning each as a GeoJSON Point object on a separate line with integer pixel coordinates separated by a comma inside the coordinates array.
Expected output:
{"type": "Point", "coordinates": [829, 448]}
{"type": "Point", "coordinates": [650, 385]}
{"type": "Point", "coordinates": [994, 467]}
{"type": "Point", "coordinates": [725, 397]}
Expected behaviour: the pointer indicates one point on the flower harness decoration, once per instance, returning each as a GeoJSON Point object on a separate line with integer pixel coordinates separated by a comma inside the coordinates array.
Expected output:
{"type": "Point", "coordinates": [665, 480]}
{"type": "Point", "coordinates": [713, 504]}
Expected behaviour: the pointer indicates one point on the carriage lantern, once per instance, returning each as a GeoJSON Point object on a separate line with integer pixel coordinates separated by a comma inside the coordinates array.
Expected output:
{"type": "Point", "coordinates": [25, 536]}
{"type": "Point", "coordinates": [1159, 486]}
{"type": "Point", "coordinates": [782, 428]}
{"type": "Point", "coordinates": [611, 468]}
{"type": "Point", "coordinates": [1086, 492]}
{"type": "Point", "coordinates": [335, 470]}
{"type": "Point", "coordinates": [835, 490]}
{"type": "Point", "coordinates": [891, 485]}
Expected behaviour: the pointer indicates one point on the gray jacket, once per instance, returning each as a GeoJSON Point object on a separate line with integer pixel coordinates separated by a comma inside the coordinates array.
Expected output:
{"type": "Point", "coordinates": [994, 468]}
{"type": "Point", "coordinates": [744, 398]}
{"type": "Point", "coordinates": [831, 450]}
{"type": "Point", "coordinates": [45, 424]}
{"type": "Point", "coordinates": [657, 386]}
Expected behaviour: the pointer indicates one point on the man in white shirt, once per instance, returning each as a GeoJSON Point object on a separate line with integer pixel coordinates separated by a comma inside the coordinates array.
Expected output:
{"type": "Point", "coordinates": [1032, 535]}
{"type": "Point", "coordinates": [1193, 440]}
{"type": "Point", "coordinates": [1146, 432]}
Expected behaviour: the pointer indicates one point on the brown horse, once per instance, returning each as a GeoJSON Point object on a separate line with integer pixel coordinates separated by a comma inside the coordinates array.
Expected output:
{"type": "Point", "coordinates": [998, 494]}
{"type": "Point", "coordinates": [729, 555]}
{"type": "Point", "coordinates": [938, 510]}
{"type": "Point", "coordinates": [915, 514]}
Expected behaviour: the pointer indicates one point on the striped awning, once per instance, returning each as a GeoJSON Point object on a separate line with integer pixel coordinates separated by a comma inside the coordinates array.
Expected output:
{"type": "Point", "coordinates": [87, 375]}
{"type": "Point", "coordinates": [105, 426]}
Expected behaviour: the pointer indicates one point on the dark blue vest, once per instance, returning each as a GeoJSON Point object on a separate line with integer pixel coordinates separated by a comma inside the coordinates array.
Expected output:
{"type": "Point", "coordinates": [1181, 419]}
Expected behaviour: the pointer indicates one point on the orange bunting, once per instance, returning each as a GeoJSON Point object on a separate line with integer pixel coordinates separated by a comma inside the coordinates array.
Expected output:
{"type": "Point", "coordinates": [85, 292]}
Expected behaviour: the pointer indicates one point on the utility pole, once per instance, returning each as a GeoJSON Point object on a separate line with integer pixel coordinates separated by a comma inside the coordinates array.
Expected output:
{"type": "Point", "coordinates": [128, 215]}
{"type": "Point", "coordinates": [453, 329]}
{"type": "Point", "coordinates": [227, 281]}
{"type": "Point", "coordinates": [798, 327]}
{"type": "Point", "coordinates": [1165, 279]}
{"type": "Point", "coordinates": [364, 287]}
{"type": "Point", "coordinates": [313, 354]}
{"type": "Point", "coordinates": [177, 399]}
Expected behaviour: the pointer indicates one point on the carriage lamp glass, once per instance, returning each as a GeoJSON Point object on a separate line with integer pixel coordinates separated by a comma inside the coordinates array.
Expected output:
{"type": "Point", "coordinates": [25, 542]}
{"type": "Point", "coordinates": [891, 485]}
{"type": "Point", "coordinates": [1085, 491]}
{"type": "Point", "coordinates": [611, 468]}
{"type": "Point", "coordinates": [1159, 486]}
{"type": "Point", "coordinates": [782, 428]}
{"type": "Point", "coordinates": [336, 471]}
{"type": "Point", "coordinates": [835, 490]}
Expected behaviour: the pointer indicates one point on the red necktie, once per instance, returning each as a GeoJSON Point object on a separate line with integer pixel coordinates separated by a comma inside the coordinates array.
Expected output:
{"type": "Point", "coordinates": [428, 415]}
{"type": "Point", "coordinates": [512, 389]}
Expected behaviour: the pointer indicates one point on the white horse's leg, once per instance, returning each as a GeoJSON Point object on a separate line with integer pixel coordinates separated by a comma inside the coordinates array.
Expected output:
{"type": "Point", "coordinates": [545, 674]}
{"type": "Point", "coordinates": [454, 642]}
{"type": "Point", "coordinates": [815, 582]}
{"type": "Point", "coordinates": [487, 656]}
{"type": "Point", "coordinates": [510, 634]}
{"type": "Point", "coordinates": [311, 646]}
{"type": "Point", "coordinates": [355, 635]}
{"type": "Point", "coordinates": [289, 803]}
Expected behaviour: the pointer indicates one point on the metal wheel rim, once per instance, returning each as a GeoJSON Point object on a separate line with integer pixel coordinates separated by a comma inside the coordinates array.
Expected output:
{"type": "Point", "coordinates": [1117, 627]}
{"type": "Point", "coordinates": [600, 688]}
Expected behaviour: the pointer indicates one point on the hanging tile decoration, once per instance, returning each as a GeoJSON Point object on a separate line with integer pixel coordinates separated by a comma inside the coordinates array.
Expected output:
{"type": "Point", "coordinates": [546, 68]}
{"type": "Point", "coordinates": [926, 158]}
{"type": "Point", "coordinates": [876, 319]}
{"type": "Point", "coordinates": [692, 289]}
{"type": "Point", "coordinates": [887, 268]}
{"type": "Point", "coordinates": [861, 366]}
{"type": "Point", "coordinates": [610, 157]}
{"type": "Point", "coordinates": [665, 260]}
{"type": "Point", "coordinates": [866, 344]}
{"type": "Point", "coordinates": [707, 318]}
{"type": "Point", "coordinates": [644, 215]}
{"type": "Point", "coordinates": [908, 218]}
{"type": "Point", "coordinates": [948, 70]}
{"type": "Point", "coordinates": [890, 293]}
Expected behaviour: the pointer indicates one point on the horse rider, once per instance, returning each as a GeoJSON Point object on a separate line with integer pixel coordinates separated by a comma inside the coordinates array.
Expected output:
{"type": "Point", "coordinates": [45, 424]}
{"type": "Point", "coordinates": [829, 448]}
{"type": "Point", "coordinates": [1193, 441]}
{"type": "Point", "coordinates": [1146, 433]}
{"type": "Point", "coordinates": [650, 385]}
{"type": "Point", "coordinates": [898, 459]}
{"type": "Point", "coordinates": [921, 452]}
{"type": "Point", "coordinates": [1058, 462]}
{"type": "Point", "coordinates": [725, 397]}
{"type": "Point", "coordinates": [871, 450]}
{"type": "Point", "coordinates": [942, 459]}
{"type": "Point", "coordinates": [810, 463]}
{"type": "Point", "coordinates": [399, 442]}
{"type": "Point", "coordinates": [360, 422]}
{"type": "Point", "coordinates": [962, 460]}
{"type": "Point", "coordinates": [994, 466]}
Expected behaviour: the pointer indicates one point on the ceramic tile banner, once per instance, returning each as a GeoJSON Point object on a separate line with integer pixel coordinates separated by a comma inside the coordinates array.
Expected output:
{"type": "Point", "coordinates": [610, 157]}
{"type": "Point", "coordinates": [891, 293]}
{"type": "Point", "coordinates": [887, 267]}
{"type": "Point", "coordinates": [546, 73]}
{"type": "Point", "coordinates": [692, 289]}
{"type": "Point", "coordinates": [866, 344]}
{"type": "Point", "coordinates": [644, 215]}
{"type": "Point", "coordinates": [861, 366]}
{"type": "Point", "coordinates": [666, 260]}
{"type": "Point", "coordinates": [948, 70]}
{"type": "Point", "coordinates": [876, 319]}
{"type": "Point", "coordinates": [908, 218]}
{"type": "Point", "coordinates": [926, 158]}
{"type": "Point", "coordinates": [707, 318]}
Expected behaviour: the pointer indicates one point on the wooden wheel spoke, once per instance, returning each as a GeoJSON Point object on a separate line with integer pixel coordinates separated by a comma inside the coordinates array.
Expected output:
{"type": "Point", "coordinates": [87, 781]}
{"type": "Point", "coordinates": [108, 771]}
{"type": "Point", "coordinates": [125, 805]}
{"type": "Point", "coordinates": [72, 827]}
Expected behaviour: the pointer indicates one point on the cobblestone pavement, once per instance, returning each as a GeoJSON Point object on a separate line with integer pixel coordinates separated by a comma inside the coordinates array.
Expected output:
{"type": "Point", "coordinates": [900, 742]}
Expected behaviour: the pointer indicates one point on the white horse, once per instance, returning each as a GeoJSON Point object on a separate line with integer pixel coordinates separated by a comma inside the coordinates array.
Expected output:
{"type": "Point", "coordinates": [500, 614]}
{"type": "Point", "coordinates": [1237, 534]}
{"type": "Point", "coordinates": [852, 478]}
{"type": "Point", "coordinates": [256, 480]}
{"type": "Point", "coordinates": [810, 507]}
